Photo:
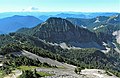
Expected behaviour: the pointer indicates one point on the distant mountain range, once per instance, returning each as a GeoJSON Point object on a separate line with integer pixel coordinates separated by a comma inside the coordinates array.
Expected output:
{"type": "Point", "coordinates": [99, 24]}
{"type": "Point", "coordinates": [86, 33]}
{"type": "Point", "coordinates": [65, 15]}
{"type": "Point", "coordinates": [88, 43]}
{"type": "Point", "coordinates": [11, 24]}
{"type": "Point", "coordinates": [45, 15]}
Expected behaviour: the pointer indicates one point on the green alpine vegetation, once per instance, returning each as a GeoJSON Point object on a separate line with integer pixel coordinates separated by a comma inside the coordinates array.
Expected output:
{"type": "Point", "coordinates": [82, 47]}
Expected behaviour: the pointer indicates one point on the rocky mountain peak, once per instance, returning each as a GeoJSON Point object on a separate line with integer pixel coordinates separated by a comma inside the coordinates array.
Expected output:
{"type": "Point", "coordinates": [58, 30]}
{"type": "Point", "coordinates": [58, 24]}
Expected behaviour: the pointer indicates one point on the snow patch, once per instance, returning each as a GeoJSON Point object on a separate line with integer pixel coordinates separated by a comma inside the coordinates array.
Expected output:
{"type": "Point", "coordinates": [116, 49]}
{"type": "Point", "coordinates": [1, 64]}
{"type": "Point", "coordinates": [95, 28]}
{"type": "Point", "coordinates": [53, 44]}
{"type": "Point", "coordinates": [106, 47]}
{"type": "Point", "coordinates": [106, 51]}
{"type": "Point", "coordinates": [117, 34]}
{"type": "Point", "coordinates": [64, 46]}
{"type": "Point", "coordinates": [83, 26]}
{"type": "Point", "coordinates": [97, 20]}
{"type": "Point", "coordinates": [115, 19]}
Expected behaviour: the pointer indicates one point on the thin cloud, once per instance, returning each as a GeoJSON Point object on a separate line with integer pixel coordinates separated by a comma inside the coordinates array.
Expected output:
{"type": "Point", "coordinates": [30, 9]}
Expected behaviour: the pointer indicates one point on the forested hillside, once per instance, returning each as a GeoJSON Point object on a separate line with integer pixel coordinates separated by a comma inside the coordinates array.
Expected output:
{"type": "Point", "coordinates": [44, 39]}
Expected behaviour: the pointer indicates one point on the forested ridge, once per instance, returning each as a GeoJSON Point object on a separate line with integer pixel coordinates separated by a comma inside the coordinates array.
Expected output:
{"type": "Point", "coordinates": [88, 57]}
{"type": "Point", "coordinates": [36, 40]}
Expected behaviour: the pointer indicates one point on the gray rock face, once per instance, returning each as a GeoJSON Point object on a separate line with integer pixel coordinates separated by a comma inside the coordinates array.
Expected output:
{"type": "Point", "coordinates": [59, 30]}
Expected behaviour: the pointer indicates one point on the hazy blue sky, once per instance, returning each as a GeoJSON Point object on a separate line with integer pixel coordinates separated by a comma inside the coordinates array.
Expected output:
{"type": "Point", "coordinates": [60, 5]}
